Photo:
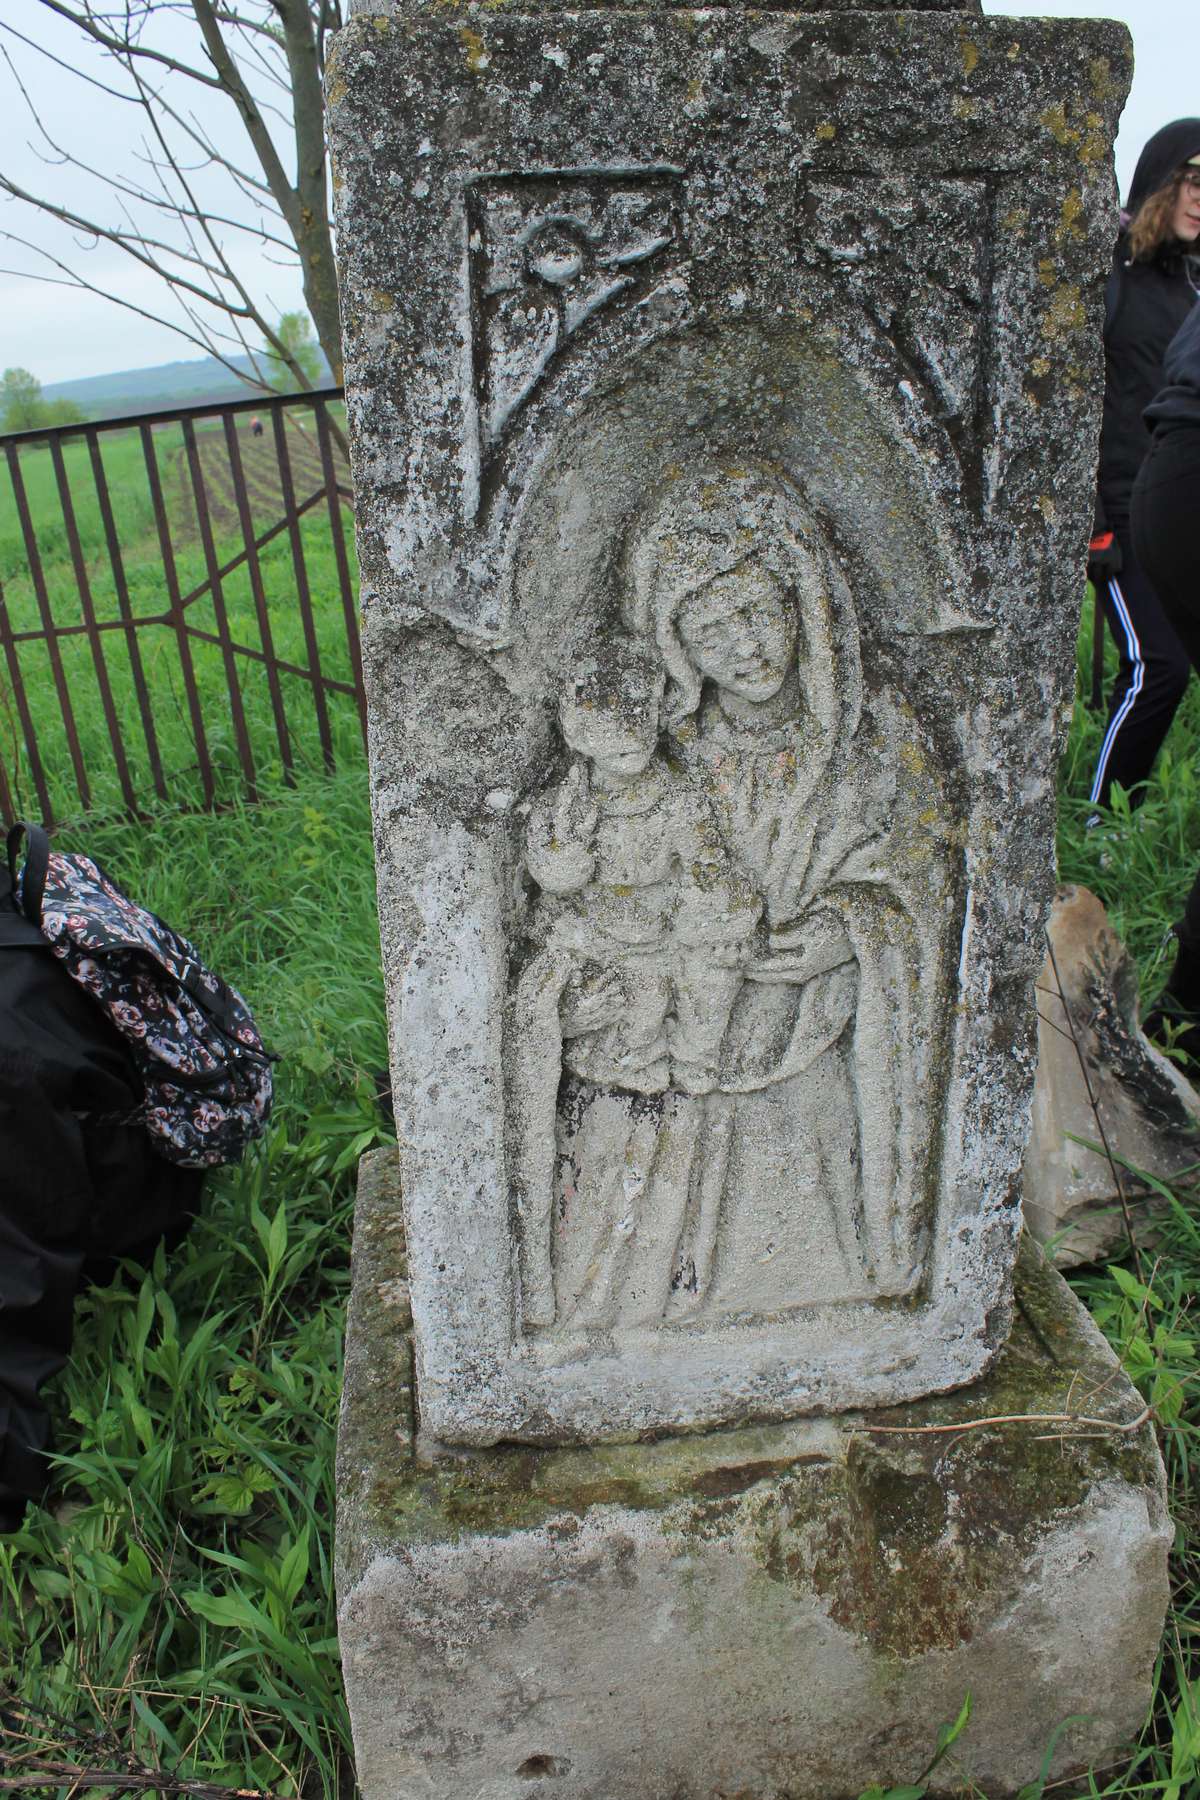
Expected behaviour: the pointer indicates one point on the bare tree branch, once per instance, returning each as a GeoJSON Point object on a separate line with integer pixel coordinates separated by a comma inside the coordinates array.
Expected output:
{"type": "Point", "coordinates": [58, 62]}
{"type": "Point", "coordinates": [139, 250]}
{"type": "Point", "coordinates": [231, 81]}
{"type": "Point", "coordinates": [265, 57]}
{"type": "Point", "coordinates": [204, 338]}
{"type": "Point", "coordinates": [127, 46]}
{"type": "Point", "coordinates": [196, 217]}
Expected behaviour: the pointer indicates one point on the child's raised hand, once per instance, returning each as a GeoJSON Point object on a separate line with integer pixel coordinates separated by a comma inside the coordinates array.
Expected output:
{"type": "Point", "coordinates": [575, 812]}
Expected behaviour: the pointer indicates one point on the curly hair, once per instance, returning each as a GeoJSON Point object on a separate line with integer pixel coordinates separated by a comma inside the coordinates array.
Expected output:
{"type": "Point", "coordinates": [1150, 228]}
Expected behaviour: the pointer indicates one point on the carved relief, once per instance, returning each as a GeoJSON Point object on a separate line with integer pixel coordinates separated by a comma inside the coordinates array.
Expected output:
{"type": "Point", "coordinates": [548, 254]}
{"type": "Point", "coordinates": [853, 228]}
{"type": "Point", "coordinates": [726, 1024]}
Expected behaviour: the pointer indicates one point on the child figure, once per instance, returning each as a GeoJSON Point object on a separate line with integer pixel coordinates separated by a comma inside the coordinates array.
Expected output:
{"type": "Point", "coordinates": [646, 926]}
{"type": "Point", "coordinates": [639, 889]}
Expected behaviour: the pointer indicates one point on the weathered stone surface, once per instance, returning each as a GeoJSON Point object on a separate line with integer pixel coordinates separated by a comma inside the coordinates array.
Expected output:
{"type": "Point", "coordinates": [782, 1611]}
{"type": "Point", "coordinates": [415, 8]}
{"type": "Point", "coordinates": [1100, 1080]}
{"type": "Point", "coordinates": [706, 370]}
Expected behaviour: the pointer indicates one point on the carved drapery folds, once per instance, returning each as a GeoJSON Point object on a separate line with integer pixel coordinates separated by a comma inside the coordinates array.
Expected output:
{"type": "Point", "coordinates": [740, 964]}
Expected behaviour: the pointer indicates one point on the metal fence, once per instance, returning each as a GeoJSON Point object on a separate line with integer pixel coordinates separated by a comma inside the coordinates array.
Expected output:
{"type": "Point", "coordinates": [177, 607]}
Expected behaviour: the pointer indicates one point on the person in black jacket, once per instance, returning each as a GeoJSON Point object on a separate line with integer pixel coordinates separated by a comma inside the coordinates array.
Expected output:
{"type": "Point", "coordinates": [1166, 512]}
{"type": "Point", "coordinates": [1150, 293]}
{"type": "Point", "coordinates": [80, 1184]}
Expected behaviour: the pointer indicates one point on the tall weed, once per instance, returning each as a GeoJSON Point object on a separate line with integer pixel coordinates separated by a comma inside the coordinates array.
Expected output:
{"type": "Point", "coordinates": [177, 1595]}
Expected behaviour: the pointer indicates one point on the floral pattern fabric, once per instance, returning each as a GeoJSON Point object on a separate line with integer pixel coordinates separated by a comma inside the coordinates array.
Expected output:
{"type": "Point", "coordinates": [205, 1073]}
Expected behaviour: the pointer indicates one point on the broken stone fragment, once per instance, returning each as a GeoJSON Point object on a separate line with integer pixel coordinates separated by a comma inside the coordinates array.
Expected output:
{"type": "Point", "coordinates": [1106, 1104]}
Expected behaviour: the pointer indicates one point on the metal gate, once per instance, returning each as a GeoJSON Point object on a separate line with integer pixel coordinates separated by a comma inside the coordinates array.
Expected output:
{"type": "Point", "coordinates": [178, 621]}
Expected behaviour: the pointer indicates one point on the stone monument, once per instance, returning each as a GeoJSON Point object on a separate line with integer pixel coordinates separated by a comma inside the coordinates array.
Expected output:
{"type": "Point", "coordinates": [723, 400]}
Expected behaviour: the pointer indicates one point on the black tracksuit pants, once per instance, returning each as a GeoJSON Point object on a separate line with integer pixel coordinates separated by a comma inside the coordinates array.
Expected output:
{"type": "Point", "coordinates": [79, 1185]}
{"type": "Point", "coordinates": [1151, 676]}
{"type": "Point", "coordinates": [1166, 541]}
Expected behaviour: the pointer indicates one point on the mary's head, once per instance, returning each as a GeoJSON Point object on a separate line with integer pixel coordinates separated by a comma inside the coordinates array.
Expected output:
{"type": "Point", "coordinates": [739, 630]}
{"type": "Point", "coordinates": [730, 577]}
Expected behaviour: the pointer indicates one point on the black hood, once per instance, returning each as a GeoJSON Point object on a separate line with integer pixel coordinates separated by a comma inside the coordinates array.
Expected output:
{"type": "Point", "coordinates": [1166, 151]}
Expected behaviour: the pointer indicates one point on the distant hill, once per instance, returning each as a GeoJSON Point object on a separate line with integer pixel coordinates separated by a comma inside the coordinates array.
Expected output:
{"type": "Point", "coordinates": [155, 389]}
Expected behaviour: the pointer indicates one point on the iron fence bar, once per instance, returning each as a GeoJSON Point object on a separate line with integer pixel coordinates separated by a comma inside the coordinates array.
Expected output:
{"type": "Point", "coordinates": [186, 600]}
{"type": "Point", "coordinates": [25, 716]}
{"type": "Point", "coordinates": [43, 600]}
{"type": "Point", "coordinates": [349, 603]}
{"type": "Point", "coordinates": [200, 494]}
{"type": "Point", "coordinates": [200, 409]}
{"type": "Point", "coordinates": [260, 543]}
{"type": "Point", "coordinates": [278, 710]}
{"type": "Point", "coordinates": [172, 579]}
{"type": "Point", "coordinates": [8, 806]}
{"type": "Point", "coordinates": [329, 683]}
{"type": "Point", "coordinates": [302, 590]}
{"type": "Point", "coordinates": [83, 586]}
{"type": "Point", "coordinates": [310, 455]}
{"type": "Point", "coordinates": [67, 631]}
{"type": "Point", "coordinates": [125, 607]}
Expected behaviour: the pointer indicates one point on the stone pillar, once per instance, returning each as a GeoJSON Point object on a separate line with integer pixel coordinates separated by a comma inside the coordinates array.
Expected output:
{"type": "Point", "coordinates": [723, 392]}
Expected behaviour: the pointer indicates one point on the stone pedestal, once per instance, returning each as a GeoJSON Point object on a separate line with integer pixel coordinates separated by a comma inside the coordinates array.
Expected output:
{"type": "Point", "coordinates": [782, 1611]}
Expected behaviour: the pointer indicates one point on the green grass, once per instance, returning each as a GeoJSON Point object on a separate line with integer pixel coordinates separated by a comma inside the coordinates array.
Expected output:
{"type": "Point", "coordinates": [180, 1604]}
{"type": "Point", "coordinates": [176, 1604]}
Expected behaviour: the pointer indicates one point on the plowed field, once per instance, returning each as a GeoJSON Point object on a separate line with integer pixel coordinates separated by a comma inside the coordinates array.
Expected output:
{"type": "Point", "coordinates": [261, 468]}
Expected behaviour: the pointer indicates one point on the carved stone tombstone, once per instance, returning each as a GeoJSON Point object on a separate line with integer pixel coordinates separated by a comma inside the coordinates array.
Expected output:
{"type": "Point", "coordinates": [723, 399]}
{"type": "Point", "coordinates": [707, 371]}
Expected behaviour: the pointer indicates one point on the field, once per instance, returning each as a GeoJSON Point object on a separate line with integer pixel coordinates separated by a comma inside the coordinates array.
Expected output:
{"type": "Point", "coordinates": [169, 1616]}
{"type": "Point", "coordinates": [166, 694]}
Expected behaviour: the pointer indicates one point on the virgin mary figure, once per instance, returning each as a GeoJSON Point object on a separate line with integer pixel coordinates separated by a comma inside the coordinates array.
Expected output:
{"type": "Point", "coordinates": [811, 1177]}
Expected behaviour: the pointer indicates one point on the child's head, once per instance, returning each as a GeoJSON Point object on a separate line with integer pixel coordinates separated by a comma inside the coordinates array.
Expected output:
{"type": "Point", "coordinates": [610, 708]}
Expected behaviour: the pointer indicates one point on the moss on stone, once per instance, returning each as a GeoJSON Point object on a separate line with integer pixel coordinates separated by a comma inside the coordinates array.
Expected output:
{"type": "Point", "coordinates": [899, 1523]}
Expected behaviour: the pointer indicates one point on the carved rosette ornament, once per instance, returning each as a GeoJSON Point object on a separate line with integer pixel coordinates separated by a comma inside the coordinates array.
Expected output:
{"type": "Point", "coordinates": [703, 372]}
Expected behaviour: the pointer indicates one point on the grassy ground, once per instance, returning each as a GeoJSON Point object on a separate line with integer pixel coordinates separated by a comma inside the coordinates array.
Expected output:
{"type": "Point", "coordinates": [180, 1603]}
{"type": "Point", "coordinates": [176, 1607]}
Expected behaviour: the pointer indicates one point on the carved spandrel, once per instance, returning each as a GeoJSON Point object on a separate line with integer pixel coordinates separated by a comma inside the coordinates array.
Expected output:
{"type": "Point", "coordinates": [851, 227]}
{"type": "Point", "coordinates": [728, 950]}
{"type": "Point", "coordinates": [549, 255]}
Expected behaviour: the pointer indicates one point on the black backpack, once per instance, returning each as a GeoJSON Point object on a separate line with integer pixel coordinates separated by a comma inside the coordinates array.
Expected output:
{"type": "Point", "coordinates": [205, 1075]}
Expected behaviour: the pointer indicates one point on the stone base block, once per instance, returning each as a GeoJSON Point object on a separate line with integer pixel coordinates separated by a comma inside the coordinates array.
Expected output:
{"type": "Point", "coordinates": [776, 1613]}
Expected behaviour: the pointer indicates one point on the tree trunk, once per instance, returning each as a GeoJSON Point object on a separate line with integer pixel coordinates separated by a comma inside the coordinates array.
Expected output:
{"type": "Point", "coordinates": [314, 239]}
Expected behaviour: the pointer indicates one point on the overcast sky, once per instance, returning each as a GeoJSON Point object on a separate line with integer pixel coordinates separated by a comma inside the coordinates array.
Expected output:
{"type": "Point", "coordinates": [60, 334]}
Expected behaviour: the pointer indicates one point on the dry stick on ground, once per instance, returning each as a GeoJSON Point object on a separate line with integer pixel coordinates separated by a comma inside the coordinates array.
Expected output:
{"type": "Point", "coordinates": [962, 1425]}
{"type": "Point", "coordinates": [138, 1781]}
{"type": "Point", "coordinates": [23, 1753]}
{"type": "Point", "coordinates": [1098, 1427]}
